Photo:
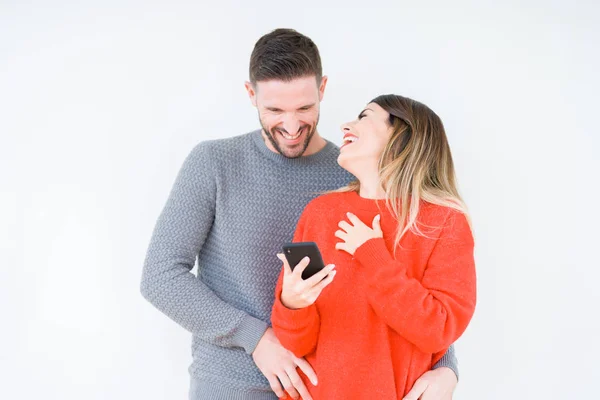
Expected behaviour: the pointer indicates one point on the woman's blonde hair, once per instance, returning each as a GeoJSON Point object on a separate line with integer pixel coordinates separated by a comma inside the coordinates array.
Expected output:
{"type": "Point", "coordinates": [416, 164]}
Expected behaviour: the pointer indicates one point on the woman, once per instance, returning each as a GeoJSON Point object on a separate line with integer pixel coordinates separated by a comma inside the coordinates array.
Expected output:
{"type": "Point", "coordinates": [402, 244]}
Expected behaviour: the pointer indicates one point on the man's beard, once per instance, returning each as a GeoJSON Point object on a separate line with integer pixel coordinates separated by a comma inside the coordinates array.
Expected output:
{"type": "Point", "coordinates": [273, 133]}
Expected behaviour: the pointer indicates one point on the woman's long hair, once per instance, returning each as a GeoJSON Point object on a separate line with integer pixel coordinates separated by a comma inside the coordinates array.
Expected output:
{"type": "Point", "coordinates": [416, 164]}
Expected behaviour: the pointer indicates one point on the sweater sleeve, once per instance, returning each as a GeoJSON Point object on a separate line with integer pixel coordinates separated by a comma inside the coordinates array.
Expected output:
{"type": "Point", "coordinates": [448, 359]}
{"type": "Point", "coordinates": [434, 312]}
{"type": "Point", "coordinates": [297, 330]}
{"type": "Point", "coordinates": [179, 234]}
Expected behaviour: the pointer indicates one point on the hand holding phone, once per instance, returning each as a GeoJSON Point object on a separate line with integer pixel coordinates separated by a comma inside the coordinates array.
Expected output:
{"type": "Point", "coordinates": [295, 252]}
{"type": "Point", "coordinates": [305, 275]}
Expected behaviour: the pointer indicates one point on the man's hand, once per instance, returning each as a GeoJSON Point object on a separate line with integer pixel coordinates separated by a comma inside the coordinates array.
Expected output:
{"type": "Point", "coordinates": [279, 365]}
{"type": "Point", "coordinates": [437, 384]}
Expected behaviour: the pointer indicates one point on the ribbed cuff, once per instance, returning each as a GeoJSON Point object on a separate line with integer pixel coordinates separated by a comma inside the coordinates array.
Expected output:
{"type": "Point", "coordinates": [445, 363]}
{"type": "Point", "coordinates": [287, 318]}
{"type": "Point", "coordinates": [249, 333]}
{"type": "Point", "coordinates": [373, 252]}
{"type": "Point", "coordinates": [449, 360]}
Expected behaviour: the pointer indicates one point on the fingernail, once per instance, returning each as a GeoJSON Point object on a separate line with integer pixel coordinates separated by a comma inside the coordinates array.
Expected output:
{"type": "Point", "coordinates": [306, 258]}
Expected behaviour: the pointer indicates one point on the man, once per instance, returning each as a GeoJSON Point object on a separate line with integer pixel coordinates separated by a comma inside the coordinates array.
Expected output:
{"type": "Point", "coordinates": [233, 205]}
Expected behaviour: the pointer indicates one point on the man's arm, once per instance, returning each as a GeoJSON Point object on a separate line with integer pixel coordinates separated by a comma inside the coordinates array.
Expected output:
{"type": "Point", "coordinates": [179, 234]}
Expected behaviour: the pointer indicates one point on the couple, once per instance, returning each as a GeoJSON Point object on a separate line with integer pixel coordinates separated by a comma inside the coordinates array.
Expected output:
{"type": "Point", "coordinates": [398, 237]}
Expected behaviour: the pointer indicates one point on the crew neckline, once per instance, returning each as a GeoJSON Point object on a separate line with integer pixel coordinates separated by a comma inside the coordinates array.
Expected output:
{"type": "Point", "coordinates": [363, 203]}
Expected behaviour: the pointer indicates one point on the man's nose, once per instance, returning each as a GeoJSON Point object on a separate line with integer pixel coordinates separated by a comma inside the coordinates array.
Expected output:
{"type": "Point", "coordinates": [291, 125]}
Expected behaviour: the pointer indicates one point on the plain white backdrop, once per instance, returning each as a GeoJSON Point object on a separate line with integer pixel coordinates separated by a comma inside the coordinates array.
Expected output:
{"type": "Point", "coordinates": [101, 101]}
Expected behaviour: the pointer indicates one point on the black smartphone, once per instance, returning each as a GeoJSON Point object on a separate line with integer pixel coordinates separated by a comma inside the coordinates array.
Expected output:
{"type": "Point", "coordinates": [295, 252]}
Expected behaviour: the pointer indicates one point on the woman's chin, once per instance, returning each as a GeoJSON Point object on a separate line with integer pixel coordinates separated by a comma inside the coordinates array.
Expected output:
{"type": "Point", "coordinates": [344, 162]}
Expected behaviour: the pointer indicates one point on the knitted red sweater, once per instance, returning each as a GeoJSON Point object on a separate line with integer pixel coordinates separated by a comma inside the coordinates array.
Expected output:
{"type": "Point", "coordinates": [385, 319]}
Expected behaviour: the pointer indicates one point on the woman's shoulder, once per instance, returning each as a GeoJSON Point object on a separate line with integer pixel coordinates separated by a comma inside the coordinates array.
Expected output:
{"type": "Point", "coordinates": [441, 217]}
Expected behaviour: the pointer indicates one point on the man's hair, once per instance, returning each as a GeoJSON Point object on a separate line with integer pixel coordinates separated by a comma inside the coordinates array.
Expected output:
{"type": "Point", "coordinates": [284, 54]}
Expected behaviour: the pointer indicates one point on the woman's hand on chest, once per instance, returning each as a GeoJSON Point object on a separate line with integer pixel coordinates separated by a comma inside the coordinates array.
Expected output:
{"type": "Point", "coordinates": [354, 233]}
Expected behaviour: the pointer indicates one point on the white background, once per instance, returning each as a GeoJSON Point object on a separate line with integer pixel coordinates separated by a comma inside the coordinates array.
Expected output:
{"type": "Point", "coordinates": [101, 101]}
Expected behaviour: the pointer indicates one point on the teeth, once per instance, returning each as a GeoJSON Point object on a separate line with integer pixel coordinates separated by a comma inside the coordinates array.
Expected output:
{"type": "Point", "coordinates": [289, 137]}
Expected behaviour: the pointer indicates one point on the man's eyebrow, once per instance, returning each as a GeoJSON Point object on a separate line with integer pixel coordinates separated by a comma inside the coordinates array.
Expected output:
{"type": "Point", "coordinates": [299, 108]}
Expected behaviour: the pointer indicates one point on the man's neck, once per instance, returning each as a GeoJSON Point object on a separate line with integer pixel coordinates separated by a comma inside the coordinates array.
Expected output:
{"type": "Point", "coordinates": [317, 143]}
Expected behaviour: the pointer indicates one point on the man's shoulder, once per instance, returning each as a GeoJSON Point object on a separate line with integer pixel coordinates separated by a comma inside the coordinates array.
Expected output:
{"type": "Point", "coordinates": [224, 144]}
{"type": "Point", "coordinates": [222, 149]}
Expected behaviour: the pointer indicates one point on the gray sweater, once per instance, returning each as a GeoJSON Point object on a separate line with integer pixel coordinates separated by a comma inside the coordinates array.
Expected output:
{"type": "Point", "coordinates": [234, 203]}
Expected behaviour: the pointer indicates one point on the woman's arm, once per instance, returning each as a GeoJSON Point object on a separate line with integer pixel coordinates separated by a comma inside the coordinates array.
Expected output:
{"type": "Point", "coordinates": [432, 313]}
{"type": "Point", "coordinates": [297, 330]}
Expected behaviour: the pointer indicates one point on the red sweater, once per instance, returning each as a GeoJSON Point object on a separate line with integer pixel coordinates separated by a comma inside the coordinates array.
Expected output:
{"type": "Point", "coordinates": [384, 320]}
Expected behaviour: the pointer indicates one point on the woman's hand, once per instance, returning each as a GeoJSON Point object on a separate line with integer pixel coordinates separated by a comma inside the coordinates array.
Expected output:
{"type": "Point", "coordinates": [299, 293]}
{"type": "Point", "coordinates": [357, 234]}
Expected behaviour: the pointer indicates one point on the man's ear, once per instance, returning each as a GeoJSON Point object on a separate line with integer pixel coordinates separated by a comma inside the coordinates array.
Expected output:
{"type": "Point", "coordinates": [322, 87]}
{"type": "Point", "coordinates": [251, 92]}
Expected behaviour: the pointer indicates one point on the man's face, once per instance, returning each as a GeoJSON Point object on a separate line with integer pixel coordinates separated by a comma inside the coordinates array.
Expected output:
{"type": "Point", "coordinates": [288, 112]}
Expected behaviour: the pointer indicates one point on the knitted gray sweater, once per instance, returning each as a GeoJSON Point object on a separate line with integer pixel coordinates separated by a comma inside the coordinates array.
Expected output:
{"type": "Point", "coordinates": [234, 203]}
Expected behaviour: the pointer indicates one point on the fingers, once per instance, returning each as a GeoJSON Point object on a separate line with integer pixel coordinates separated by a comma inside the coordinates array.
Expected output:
{"type": "Point", "coordinates": [417, 390]}
{"type": "Point", "coordinates": [298, 386]}
{"type": "Point", "coordinates": [354, 219]}
{"type": "Point", "coordinates": [275, 385]}
{"type": "Point", "coordinates": [288, 385]}
{"type": "Point", "coordinates": [345, 226]}
{"type": "Point", "coordinates": [316, 291]}
{"type": "Point", "coordinates": [299, 269]}
{"type": "Point", "coordinates": [286, 266]}
{"type": "Point", "coordinates": [377, 223]}
{"type": "Point", "coordinates": [341, 234]}
{"type": "Point", "coordinates": [307, 369]}
{"type": "Point", "coordinates": [319, 276]}
{"type": "Point", "coordinates": [342, 246]}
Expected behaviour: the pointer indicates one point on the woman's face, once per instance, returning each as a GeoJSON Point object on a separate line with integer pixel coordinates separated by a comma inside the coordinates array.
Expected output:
{"type": "Point", "coordinates": [365, 138]}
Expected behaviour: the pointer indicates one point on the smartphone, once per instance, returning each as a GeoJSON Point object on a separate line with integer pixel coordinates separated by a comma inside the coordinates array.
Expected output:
{"type": "Point", "coordinates": [295, 252]}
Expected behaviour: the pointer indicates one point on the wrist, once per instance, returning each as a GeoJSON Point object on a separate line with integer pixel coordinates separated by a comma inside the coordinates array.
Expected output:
{"type": "Point", "coordinates": [264, 338]}
{"type": "Point", "coordinates": [448, 372]}
{"type": "Point", "coordinates": [249, 333]}
{"type": "Point", "coordinates": [286, 303]}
